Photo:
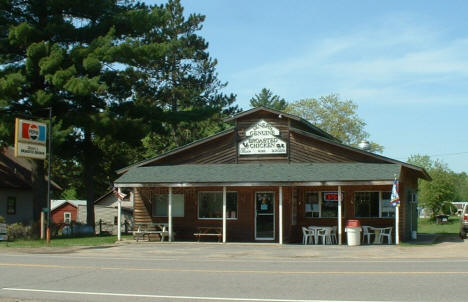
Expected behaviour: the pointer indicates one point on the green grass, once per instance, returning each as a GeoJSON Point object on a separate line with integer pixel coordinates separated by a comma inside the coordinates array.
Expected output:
{"type": "Point", "coordinates": [62, 242]}
{"type": "Point", "coordinates": [426, 226]}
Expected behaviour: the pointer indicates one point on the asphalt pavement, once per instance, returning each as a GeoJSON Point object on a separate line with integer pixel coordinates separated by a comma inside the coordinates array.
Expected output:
{"type": "Point", "coordinates": [236, 272]}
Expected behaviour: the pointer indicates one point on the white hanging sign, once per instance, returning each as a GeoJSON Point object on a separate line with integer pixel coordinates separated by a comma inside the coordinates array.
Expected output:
{"type": "Point", "coordinates": [262, 138]}
{"type": "Point", "coordinates": [30, 139]}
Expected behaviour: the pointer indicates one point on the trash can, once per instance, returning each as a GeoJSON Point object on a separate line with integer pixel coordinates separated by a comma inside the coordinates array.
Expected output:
{"type": "Point", "coordinates": [353, 232]}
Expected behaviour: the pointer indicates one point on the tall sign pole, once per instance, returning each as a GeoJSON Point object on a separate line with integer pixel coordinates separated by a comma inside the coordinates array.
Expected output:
{"type": "Point", "coordinates": [49, 177]}
{"type": "Point", "coordinates": [30, 142]}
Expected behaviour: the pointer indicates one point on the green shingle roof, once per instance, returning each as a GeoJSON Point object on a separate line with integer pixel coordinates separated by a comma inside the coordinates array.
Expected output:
{"type": "Point", "coordinates": [259, 173]}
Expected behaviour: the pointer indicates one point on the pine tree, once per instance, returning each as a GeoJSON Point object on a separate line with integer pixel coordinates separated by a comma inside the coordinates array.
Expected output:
{"type": "Point", "coordinates": [266, 98]}
{"type": "Point", "coordinates": [113, 71]}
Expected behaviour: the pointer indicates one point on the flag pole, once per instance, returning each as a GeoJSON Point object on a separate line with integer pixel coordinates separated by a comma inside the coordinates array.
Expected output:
{"type": "Point", "coordinates": [397, 223]}
{"type": "Point", "coordinates": [119, 210]}
{"type": "Point", "coordinates": [395, 201]}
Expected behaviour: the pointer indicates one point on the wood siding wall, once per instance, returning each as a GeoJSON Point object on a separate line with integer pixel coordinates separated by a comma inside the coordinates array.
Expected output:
{"type": "Point", "coordinates": [58, 215]}
{"type": "Point", "coordinates": [243, 228]}
{"type": "Point", "coordinates": [217, 151]}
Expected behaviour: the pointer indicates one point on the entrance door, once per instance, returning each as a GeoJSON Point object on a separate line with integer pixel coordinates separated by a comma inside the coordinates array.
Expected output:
{"type": "Point", "coordinates": [264, 215]}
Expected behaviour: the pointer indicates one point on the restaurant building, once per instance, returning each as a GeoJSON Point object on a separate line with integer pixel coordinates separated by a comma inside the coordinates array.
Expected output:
{"type": "Point", "coordinates": [272, 173]}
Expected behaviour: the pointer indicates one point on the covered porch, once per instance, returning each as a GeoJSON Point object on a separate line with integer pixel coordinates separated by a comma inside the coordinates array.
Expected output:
{"type": "Point", "coordinates": [259, 202]}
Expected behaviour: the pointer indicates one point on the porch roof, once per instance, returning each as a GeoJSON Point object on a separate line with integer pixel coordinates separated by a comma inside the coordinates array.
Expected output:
{"type": "Point", "coordinates": [261, 173]}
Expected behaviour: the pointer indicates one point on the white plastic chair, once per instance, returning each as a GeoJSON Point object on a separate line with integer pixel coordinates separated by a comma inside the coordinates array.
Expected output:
{"type": "Point", "coordinates": [367, 232]}
{"type": "Point", "coordinates": [333, 234]}
{"type": "Point", "coordinates": [307, 235]}
{"type": "Point", "coordinates": [385, 232]}
{"type": "Point", "coordinates": [325, 234]}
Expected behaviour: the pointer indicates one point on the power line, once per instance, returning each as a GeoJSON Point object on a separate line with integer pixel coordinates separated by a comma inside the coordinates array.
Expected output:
{"type": "Point", "coordinates": [448, 154]}
{"type": "Point", "coordinates": [435, 155]}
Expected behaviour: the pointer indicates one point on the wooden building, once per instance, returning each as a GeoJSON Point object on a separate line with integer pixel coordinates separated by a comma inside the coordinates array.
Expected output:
{"type": "Point", "coordinates": [67, 211]}
{"type": "Point", "coordinates": [16, 188]}
{"type": "Point", "coordinates": [105, 213]}
{"type": "Point", "coordinates": [272, 173]}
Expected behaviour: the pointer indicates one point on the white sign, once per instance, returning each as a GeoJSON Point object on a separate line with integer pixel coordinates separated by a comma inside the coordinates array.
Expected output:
{"type": "Point", "coordinates": [262, 138]}
{"type": "Point", "coordinates": [31, 132]}
{"type": "Point", "coordinates": [30, 139]}
{"type": "Point", "coordinates": [31, 150]}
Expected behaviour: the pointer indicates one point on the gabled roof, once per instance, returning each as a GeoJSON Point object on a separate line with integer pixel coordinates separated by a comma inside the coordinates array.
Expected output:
{"type": "Point", "coordinates": [283, 114]}
{"type": "Point", "coordinates": [315, 133]}
{"type": "Point", "coordinates": [176, 150]}
{"type": "Point", "coordinates": [15, 172]}
{"type": "Point", "coordinates": [58, 203]}
{"type": "Point", "coordinates": [261, 173]}
{"type": "Point", "coordinates": [423, 173]}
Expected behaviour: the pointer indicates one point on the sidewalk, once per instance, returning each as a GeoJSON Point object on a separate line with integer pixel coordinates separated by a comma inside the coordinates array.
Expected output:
{"type": "Point", "coordinates": [422, 248]}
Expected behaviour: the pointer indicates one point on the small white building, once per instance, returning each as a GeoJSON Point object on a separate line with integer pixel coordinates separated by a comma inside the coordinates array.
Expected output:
{"type": "Point", "coordinates": [105, 213]}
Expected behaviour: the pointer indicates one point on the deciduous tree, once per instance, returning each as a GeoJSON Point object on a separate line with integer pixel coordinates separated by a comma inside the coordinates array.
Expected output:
{"type": "Point", "coordinates": [337, 117]}
{"type": "Point", "coordinates": [443, 187]}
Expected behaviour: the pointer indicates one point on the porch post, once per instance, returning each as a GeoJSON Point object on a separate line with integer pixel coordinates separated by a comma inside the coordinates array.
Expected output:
{"type": "Point", "coordinates": [169, 214]}
{"type": "Point", "coordinates": [119, 213]}
{"type": "Point", "coordinates": [224, 214]}
{"type": "Point", "coordinates": [397, 224]}
{"type": "Point", "coordinates": [339, 216]}
{"type": "Point", "coordinates": [280, 228]}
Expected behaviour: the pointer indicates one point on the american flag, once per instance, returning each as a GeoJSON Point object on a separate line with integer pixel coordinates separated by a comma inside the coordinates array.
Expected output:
{"type": "Point", "coordinates": [395, 198]}
{"type": "Point", "coordinates": [118, 194]}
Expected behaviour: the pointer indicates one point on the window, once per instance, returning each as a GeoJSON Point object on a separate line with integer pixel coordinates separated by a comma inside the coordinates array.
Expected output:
{"type": "Point", "coordinates": [116, 220]}
{"type": "Point", "coordinates": [312, 204]}
{"type": "Point", "coordinates": [366, 204]}
{"type": "Point", "coordinates": [160, 204]}
{"type": "Point", "coordinates": [387, 209]}
{"type": "Point", "coordinates": [330, 204]}
{"type": "Point", "coordinates": [210, 205]}
{"type": "Point", "coordinates": [67, 217]}
{"type": "Point", "coordinates": [373, 204]}
{"type": "Point", "coordinates": [11, 205]}
{"type": "Point", "coordinates": [322, 204]}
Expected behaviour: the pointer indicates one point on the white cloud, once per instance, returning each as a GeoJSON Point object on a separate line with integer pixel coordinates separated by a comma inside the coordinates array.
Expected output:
{"type": "Point", "coordinates": [396, 60]}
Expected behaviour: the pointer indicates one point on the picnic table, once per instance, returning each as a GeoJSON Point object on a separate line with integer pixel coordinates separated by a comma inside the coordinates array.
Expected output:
{"type": "Point", "coordinates": [148, 229]}
{"type": "Point", "coordinates": [207, 231]}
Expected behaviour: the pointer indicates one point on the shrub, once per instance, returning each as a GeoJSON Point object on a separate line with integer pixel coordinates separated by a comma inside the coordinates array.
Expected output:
{"type": "Point", "coordinates": [19, 231]}
{"type": "Point", "coordinates": [2, 220]}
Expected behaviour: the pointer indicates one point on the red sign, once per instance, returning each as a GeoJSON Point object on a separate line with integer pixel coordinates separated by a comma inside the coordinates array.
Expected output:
{"type": "Point", "coordinates": [331, 196]}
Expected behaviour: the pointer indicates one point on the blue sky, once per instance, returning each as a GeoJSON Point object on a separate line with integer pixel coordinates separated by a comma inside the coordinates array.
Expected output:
{"type": "Point", "coordinates": [404, 63]}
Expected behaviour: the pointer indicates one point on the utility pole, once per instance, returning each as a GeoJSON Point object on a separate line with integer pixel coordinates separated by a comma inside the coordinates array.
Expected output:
{"type": "Point", "coordinates": [48, 177]}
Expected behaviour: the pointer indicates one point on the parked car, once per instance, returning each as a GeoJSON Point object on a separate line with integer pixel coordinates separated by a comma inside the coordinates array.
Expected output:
{"type": "Point", "coordinates": [464, 222]}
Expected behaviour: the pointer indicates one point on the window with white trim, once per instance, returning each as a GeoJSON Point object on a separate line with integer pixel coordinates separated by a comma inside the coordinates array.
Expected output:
{"type": "Point", "coordinates": [67, 217]}
{"type": "Point", "coordinates": [387, 209]}
{"type": "Point", "coordinates": [210, 205]}
{"type": "Point", "coordinates": [322, 204]}
{"type": "Point", "coordinates": [160, 204]}
{"type": "Point", "coordinates": [312, 204]}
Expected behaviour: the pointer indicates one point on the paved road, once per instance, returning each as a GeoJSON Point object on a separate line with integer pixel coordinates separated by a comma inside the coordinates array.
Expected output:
{"type": "Point", "coordinates": [236, 272]}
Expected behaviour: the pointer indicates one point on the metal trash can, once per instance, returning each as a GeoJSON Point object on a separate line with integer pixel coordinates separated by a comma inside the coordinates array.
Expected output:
{"type": "Point", "coordinates": [353, 232]}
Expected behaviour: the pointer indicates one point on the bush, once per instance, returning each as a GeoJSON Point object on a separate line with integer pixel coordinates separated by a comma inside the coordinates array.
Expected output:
{"type": "Point", "coordinates": [2, 220]}
{"type": "Point", "coordinates": [19, 231]}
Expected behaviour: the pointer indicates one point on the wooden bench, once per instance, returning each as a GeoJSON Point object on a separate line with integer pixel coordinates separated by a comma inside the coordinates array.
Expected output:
{"type": "Point", "coordinates": [209, 232]}
{"type": "Point", "coordinates": [148, 229]}
{"type": "Point", "coordinates": [3, 232]}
